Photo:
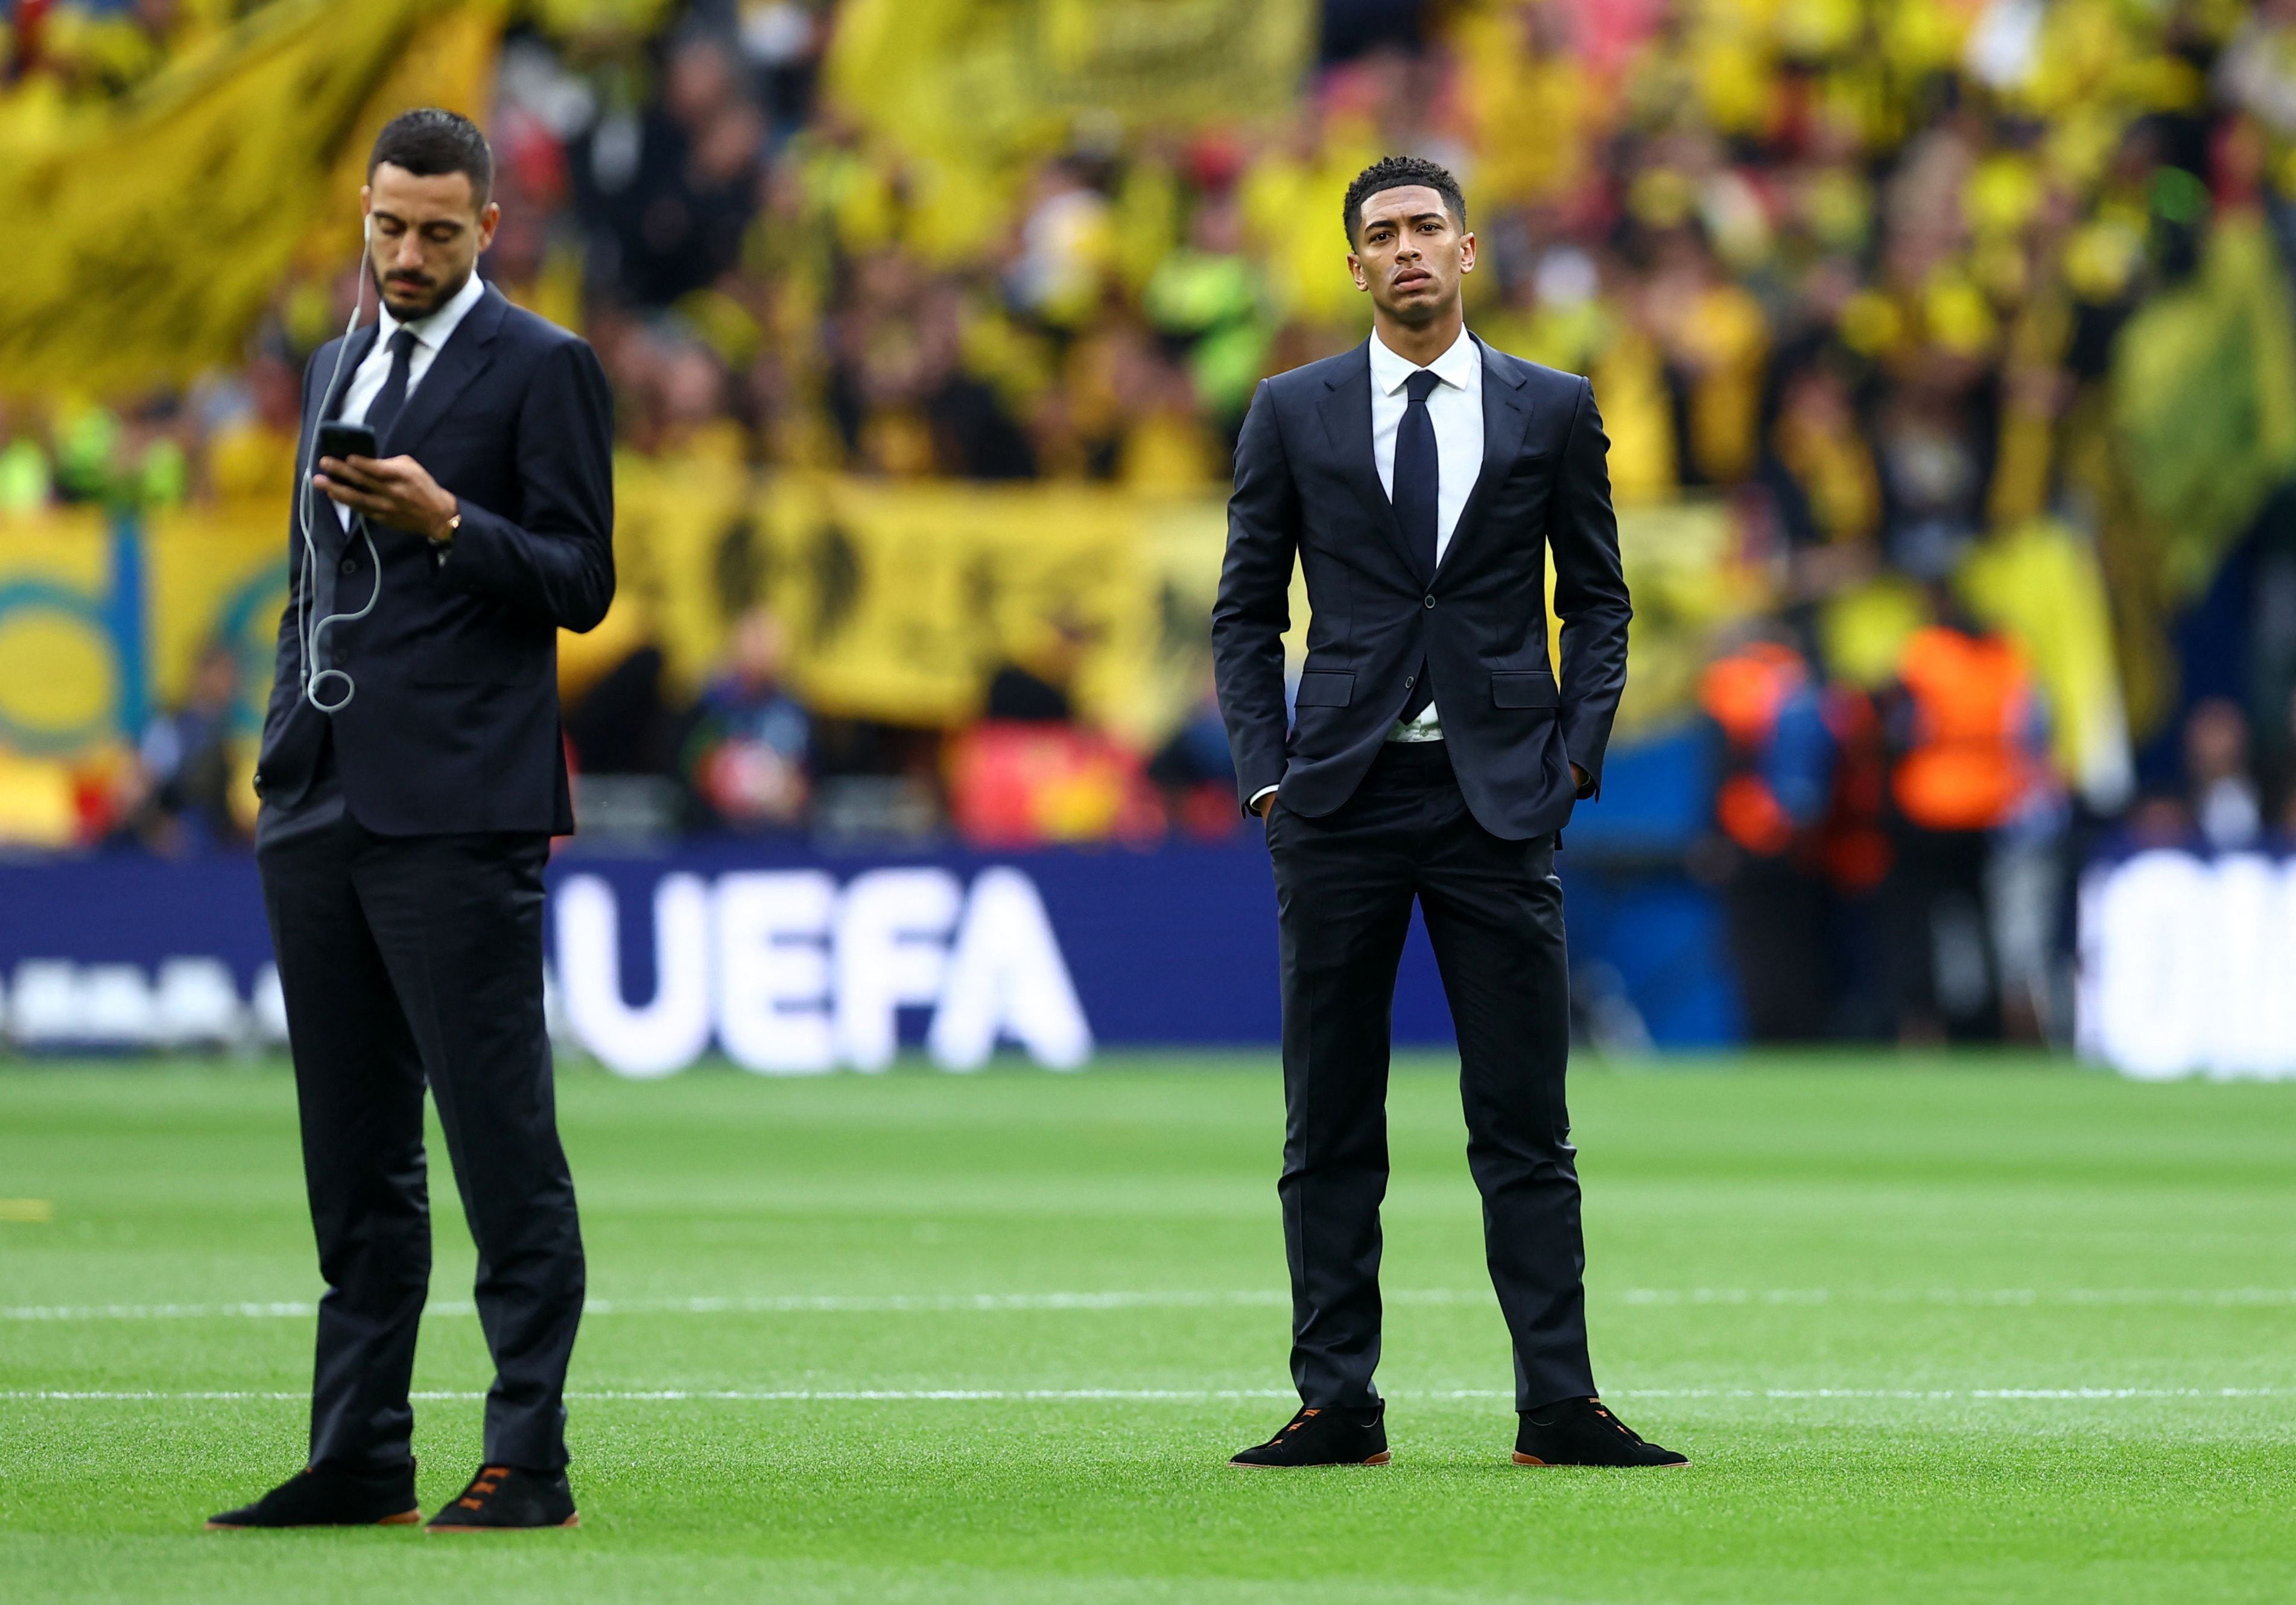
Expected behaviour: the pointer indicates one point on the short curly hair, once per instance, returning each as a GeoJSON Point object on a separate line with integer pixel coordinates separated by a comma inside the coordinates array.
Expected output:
{"type": "Point", "coordinates": [1395, 172]}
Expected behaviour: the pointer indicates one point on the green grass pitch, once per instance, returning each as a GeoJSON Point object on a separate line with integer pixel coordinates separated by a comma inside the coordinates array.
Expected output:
{"type": "Point", "coordinates": [1941, 1331]}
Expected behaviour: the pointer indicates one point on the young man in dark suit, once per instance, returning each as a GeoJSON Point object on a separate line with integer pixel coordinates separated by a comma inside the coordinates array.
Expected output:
{"type": "Point", "coordinates": [1421, 481]}
{"type": "Point", "coordinates": [411, 775]}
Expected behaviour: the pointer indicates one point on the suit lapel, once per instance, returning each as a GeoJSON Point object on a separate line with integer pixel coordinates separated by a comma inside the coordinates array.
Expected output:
{"type": "Point", "coordinates": [458, 362]}
{"type": "Point", "coordinates": [1506, 416]}
{"type": "Point", "coordinates": [1345, 412]}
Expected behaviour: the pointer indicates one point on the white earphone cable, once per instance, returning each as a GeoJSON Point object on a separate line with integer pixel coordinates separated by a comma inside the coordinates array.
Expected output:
{"type": "Point", "coordinates": [306, 629]}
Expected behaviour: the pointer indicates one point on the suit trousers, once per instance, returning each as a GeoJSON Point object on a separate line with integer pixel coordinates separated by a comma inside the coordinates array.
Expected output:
{"type": "Point", "coordinates": [1494, 908]}
{"type": "Point", "coordinates": [406, 960]}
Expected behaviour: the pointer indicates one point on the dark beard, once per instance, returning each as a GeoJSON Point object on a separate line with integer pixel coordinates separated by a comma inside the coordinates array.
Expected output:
{"type": "Point", "coordinates": [439, 298]}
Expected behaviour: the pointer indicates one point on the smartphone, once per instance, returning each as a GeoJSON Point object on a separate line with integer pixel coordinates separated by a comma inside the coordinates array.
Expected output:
{"type": "Point", "coordinates": [339, 439]}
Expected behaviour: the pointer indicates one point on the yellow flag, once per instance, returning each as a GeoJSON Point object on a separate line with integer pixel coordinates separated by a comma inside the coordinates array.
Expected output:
{"type": "Point", "coordinates": [144, 244]}
{"type": "Point", "coordinates": [981, 80]}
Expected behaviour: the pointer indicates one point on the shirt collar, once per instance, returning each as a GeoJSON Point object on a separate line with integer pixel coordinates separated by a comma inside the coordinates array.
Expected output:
{"type": "Point", "coordinates": [433, 329]}
{"type": "Point", "coordinates": [1454, 368]}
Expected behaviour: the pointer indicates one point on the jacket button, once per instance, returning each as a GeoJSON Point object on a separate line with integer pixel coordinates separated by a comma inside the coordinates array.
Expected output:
{"type": "Point", "coordinates": [1410, 680]}
{"type": "Point", "coordinates": [1430, 601]}
{"type": "Point", "coordinates": [350, 566]}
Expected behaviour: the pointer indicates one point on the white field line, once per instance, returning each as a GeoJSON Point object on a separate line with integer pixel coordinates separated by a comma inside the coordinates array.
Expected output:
{"type": "Point", "coordinates": [989, 1303]}
{"type": "Point", "coordinates": [2079, 1297]}
{"type": "Point", "coordinates": [782, 1304]}
{"type": "Point", "coordinates": [1155, 1396]}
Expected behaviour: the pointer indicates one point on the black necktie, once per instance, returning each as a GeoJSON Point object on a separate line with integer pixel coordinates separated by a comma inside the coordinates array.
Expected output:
{"type": "Point", "coordinates": [1418, 477]}
{"type": "Point", "coordinates": [382, 412]}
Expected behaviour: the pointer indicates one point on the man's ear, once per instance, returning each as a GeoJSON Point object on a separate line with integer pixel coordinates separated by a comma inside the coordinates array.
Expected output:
{"type": "Point", "coordinates": [489, 220]}
{"type": "Point", "coordinates": [1467, 251]}
{"type": "Point", "coordinates": [1355, 266]}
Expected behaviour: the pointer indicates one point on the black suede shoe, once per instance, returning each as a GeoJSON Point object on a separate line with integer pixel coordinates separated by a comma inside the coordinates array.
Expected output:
{"type": "Point", "coordinates": [331, 1496]}
{"type": "Point", "coordinates": [503, 1499]}
{"type": "Point", "coordinates": [1324, 1437]}
{"type": "Point", "coordinates": [1583, 1432]}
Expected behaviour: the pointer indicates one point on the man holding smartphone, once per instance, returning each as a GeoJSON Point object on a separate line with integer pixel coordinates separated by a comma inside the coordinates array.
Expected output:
{"type": "Point", "coordinates": [412, 774]}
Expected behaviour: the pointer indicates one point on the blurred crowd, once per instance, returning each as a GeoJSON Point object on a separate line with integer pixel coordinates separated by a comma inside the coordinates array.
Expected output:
{"type": "Point", "coordinates": [1856, 267]}
{"type": "Point", "coordinates": [1897, 863]}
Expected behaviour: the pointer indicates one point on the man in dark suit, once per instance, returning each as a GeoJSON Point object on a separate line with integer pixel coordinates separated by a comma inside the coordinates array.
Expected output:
{"type": "Point", "coordinates": [412, 776]}
{"type": "Point", "coordinates": [1421, 479]}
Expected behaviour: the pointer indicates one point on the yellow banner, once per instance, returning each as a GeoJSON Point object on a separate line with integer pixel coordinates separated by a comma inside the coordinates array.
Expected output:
{"type": "Point", "coordinates": [61, 668]}
{"type": "Point", "coordinates": [901, 600]}
{"type": "Point", "coordinates": [101, 622]}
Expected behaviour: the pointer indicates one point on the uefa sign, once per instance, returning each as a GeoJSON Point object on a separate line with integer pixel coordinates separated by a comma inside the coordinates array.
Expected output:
{"type": "Point", "coordinates": [2188, 966]}
{"type": "Point", "coordinates": [793, 974]}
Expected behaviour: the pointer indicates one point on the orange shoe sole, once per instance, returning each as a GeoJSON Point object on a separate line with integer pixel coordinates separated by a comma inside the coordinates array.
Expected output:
{"type": "Point", "coordinates": [1521, 1458]}
{"type": "Point", "coordinates": [403, 1519]}
{"type": "Point", "coordinates": [574, 1520]}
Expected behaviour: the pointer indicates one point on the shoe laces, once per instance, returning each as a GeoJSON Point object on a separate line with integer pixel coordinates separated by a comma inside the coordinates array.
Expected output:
{"type": "Point", "coordinates": [1604, 1421]}
{"type": "Point", "coordinates": [1617, 1425]}
{"type": "Point", "coordinates": [1296, 1422]}
{"type": "Point", "coordinates": [484, 1487]}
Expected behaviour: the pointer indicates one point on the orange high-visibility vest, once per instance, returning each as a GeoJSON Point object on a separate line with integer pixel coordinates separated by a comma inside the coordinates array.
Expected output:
{"type": "Point", "coordinates": [1971, 700]}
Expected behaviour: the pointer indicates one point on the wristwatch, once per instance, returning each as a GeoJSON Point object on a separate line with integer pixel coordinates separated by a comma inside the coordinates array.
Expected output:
{"type": "Point", "coordinates": [441, 543]}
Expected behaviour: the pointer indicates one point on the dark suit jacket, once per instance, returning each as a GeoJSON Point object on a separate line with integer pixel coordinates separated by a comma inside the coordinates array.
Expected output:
{"type": "Point", "coordinates": [1306, 483]}
{"type": "Point", "coordinates": [455, 723]}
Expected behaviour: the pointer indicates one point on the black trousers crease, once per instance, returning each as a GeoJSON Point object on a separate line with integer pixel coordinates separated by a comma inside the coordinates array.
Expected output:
{"type": "Point", "coordinates": [1345, 884]}
{"type": "Point", "coordinates": [408, 962]}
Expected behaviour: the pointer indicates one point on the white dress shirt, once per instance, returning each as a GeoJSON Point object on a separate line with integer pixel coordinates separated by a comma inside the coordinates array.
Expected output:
{"type": "Point", "coordinates": [431, 333]}
{"type": "Point", "coordinates": [1456, 408]}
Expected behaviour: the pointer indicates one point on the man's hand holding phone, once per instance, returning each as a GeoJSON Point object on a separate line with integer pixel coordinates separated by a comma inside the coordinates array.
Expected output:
{"type": "Point", "coordinates": [398, 491]}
